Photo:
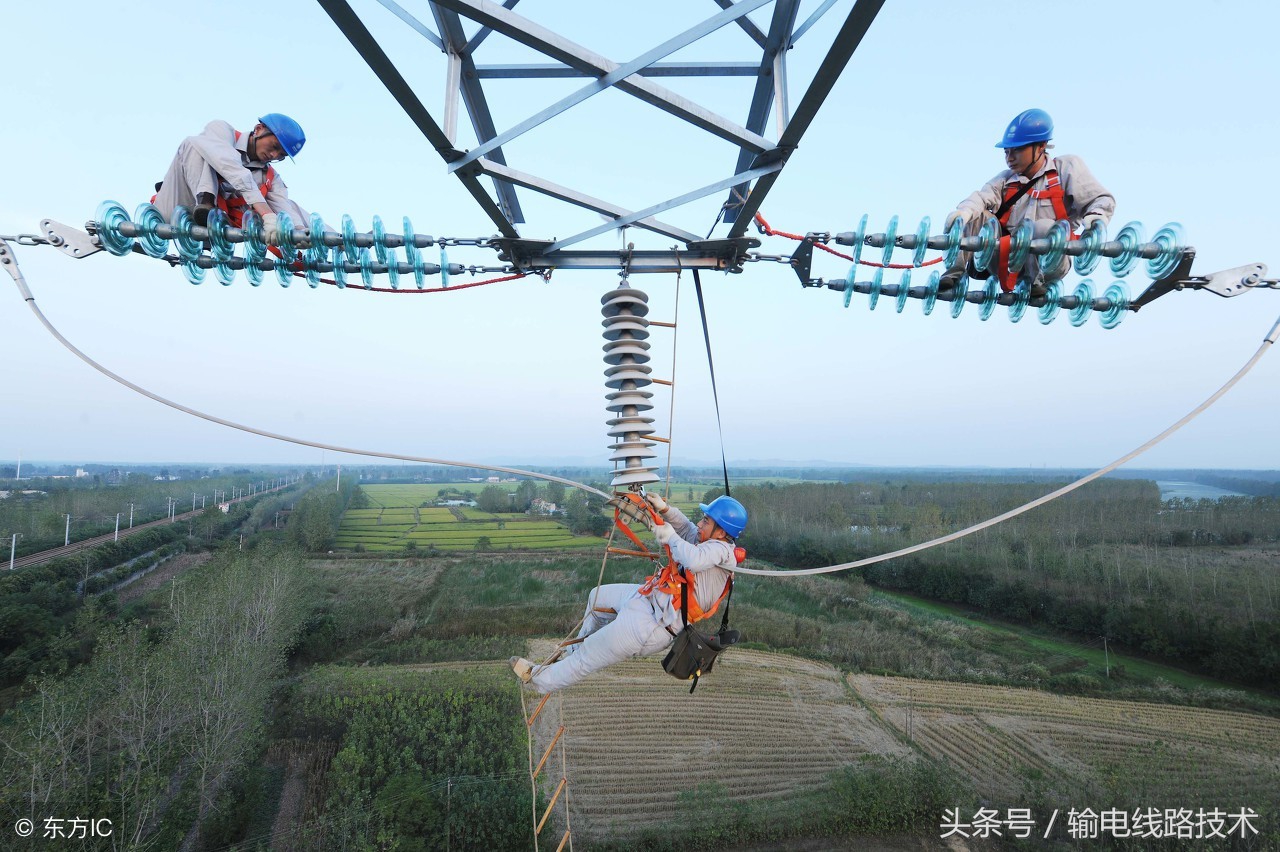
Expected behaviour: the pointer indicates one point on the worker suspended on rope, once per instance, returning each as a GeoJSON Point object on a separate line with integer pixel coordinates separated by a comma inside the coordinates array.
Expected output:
{"type": "Point", "coordinates": [1036, 186]}
{"type": "Point", "coordinates": [225, 168]}
{"type": "Point", "coordinates": [626, 620]}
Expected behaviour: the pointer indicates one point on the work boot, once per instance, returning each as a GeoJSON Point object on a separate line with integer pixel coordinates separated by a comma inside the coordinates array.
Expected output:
{"type": "Point", "coordinates": [204, 203]}
{"type": "Point", "coordinates": [1038, 289]}
{"type": "Point", "coordinates": [950, 279]}
{"type": "Point", "coordinates": [523, 668]}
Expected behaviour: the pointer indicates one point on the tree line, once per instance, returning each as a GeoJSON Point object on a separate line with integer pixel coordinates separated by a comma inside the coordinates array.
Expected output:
{"type": "Point", "coordinates": [313, 522]}
{"type": "Point", "coordinates": [1163, 579]}
{"type": "Point", "coordinates": [48, 615]}
{"type": "Point", "coordinates": [152, 730]}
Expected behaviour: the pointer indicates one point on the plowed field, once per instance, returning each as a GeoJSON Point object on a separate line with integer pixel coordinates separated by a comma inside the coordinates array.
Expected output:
{"type": "Point", "coordinates": [770, 726]}
{"type": "Point", "coordinates": [1001, 738]}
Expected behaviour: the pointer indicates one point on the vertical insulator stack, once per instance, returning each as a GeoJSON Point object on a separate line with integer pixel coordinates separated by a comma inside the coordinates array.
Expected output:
{"type": "Point", "coordinates": [626, 352]}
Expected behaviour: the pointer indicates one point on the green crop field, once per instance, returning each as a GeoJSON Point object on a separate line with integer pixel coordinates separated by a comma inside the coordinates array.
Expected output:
{"type": "Point", "coordinates": [408, 496]}
{"type": "Point", "coordinates": [395, 519]}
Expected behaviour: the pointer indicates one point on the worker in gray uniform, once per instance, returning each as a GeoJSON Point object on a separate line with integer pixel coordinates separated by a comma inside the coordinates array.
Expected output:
{"type": "Point", "coordinates": [225, 168]}
{"type": "Point", "coordinates": [1035, 186]}
{"type": "Point", "coordinates": [639, 620]}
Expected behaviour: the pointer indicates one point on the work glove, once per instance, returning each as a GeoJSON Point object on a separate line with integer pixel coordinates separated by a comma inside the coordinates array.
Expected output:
{"type": "Point", "coordinates": [1087, 222]}
{"type": "Point", "coordinates": [269, 224]}
{"type": "Point", "coordinates": [951, 220]}
{"type": "Point", "coordinates": [655, 500]}
{"type": "Point", "coordinates": [663, 533]}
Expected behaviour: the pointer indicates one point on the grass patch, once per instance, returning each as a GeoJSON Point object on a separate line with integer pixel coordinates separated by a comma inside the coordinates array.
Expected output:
{"type": "Point", "coordinates": [1125, 669]}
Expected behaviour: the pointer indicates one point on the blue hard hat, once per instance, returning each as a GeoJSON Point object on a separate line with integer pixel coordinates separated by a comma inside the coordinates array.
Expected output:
{"type": "Point", "coordinates": [728, 513]}
{"type": "Point", "coordinates": [285, 129]}
{"type": "Point", "coordinates": [1028, 126]}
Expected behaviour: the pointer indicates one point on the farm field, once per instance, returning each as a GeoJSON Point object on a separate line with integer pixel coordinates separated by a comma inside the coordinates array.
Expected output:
{"type": "Point", "coordinates": [769, 727]}
{"type": "Point", "coordinates": [402, 495]}
{"type": "Point", "coordinates": [397, 521]}
{"type": "Point", "coordinates": [1001, 738]}
{"type": "Point", "coordinates": [772, 727]}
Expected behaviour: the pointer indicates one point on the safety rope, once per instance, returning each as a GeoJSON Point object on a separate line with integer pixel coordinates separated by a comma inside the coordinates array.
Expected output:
{"type": "Point", "coordinates": [711, 365]}
{"type": "Point", "coordinates": [1271, 338]}
{"type": "Point", "coordinates": [533, 783]}
{"type": "Point", "coordinates": [765, 228]}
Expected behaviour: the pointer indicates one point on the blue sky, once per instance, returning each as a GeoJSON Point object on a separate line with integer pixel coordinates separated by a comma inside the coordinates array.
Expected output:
{"type": "Point", "coordinates": [1169, 103]}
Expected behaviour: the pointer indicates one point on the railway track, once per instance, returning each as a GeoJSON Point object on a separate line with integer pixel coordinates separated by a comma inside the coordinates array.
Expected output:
{"type": "Point", "coordinates": [85, 544]}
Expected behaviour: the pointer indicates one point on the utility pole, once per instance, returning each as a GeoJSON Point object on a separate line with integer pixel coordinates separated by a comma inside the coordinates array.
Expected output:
{"type": "Point", "coordinates": [337, 485]}
{"type": "Point", "coordinates": [13, 546]}
{"type": "Point", "coordinates": [130, 516]}
{"type": "Point", "coordinates": [1106, 655]}
{"type": "Point", "coordinates": [67, 538]}
{"type": "Point", "coordinates": [117, 538]}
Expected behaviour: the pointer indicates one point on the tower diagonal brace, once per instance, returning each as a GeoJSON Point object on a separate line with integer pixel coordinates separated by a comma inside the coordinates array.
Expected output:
{"type": "Point", "coordinates": [846, 42]}
{"type": "Point", "coordinates": [367, 46]}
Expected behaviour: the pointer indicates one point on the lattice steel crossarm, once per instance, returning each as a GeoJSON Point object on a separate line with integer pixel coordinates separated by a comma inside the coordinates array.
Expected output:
{"type": "Point", "coordinates": [758, 159]}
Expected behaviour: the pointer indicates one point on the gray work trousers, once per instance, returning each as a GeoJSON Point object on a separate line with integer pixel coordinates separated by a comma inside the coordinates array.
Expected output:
{"type": "Point", "coordinates": [634, 631]}
{"type": "Point", "coordinates": [189, 174]}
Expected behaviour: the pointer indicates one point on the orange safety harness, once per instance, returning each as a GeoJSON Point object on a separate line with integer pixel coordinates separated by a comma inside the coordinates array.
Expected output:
{"type": "Point", "coordinates": [232, 203]}
{"type": "Point", "coordinates": [670, 578]}
{"type": "Point", "coordinates": [1012, 192]}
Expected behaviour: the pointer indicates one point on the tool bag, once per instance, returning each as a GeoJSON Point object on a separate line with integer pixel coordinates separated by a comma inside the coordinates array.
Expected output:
{"type": "Point", "coordinates": [692, 653]}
